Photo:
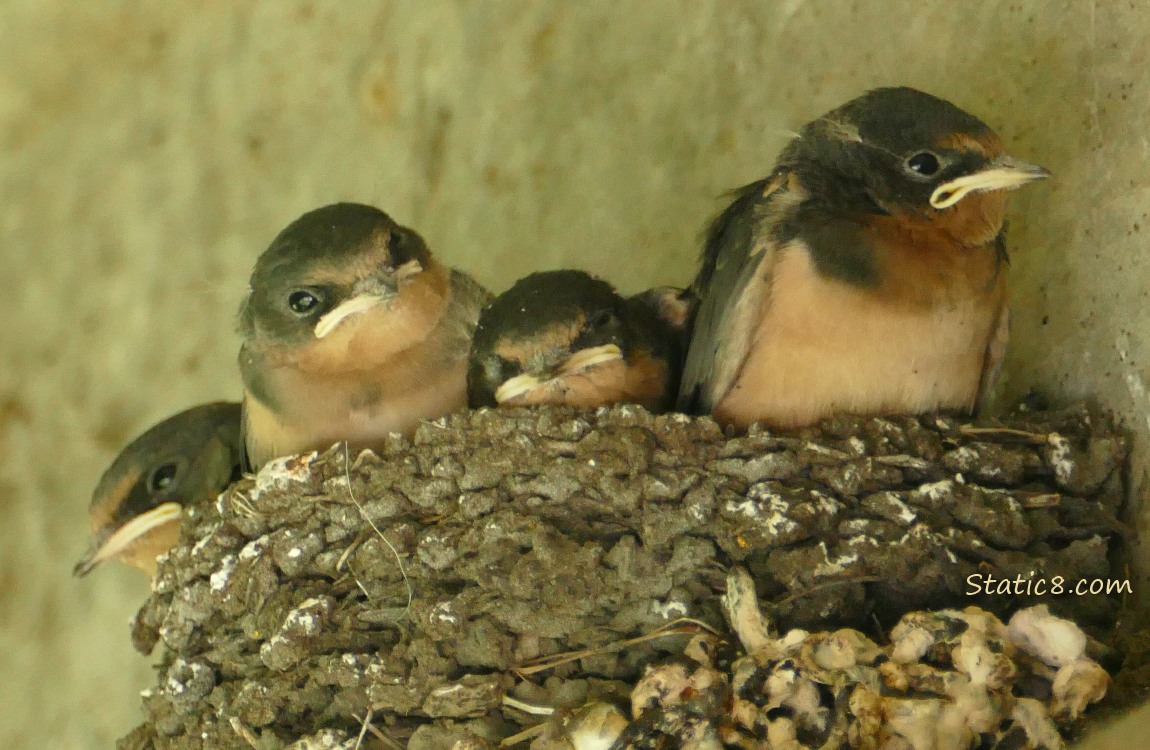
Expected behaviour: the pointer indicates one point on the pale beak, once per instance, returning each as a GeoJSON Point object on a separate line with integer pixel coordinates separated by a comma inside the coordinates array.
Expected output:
{"type": "Point", "coordinates": [408, 270]}
{"type": "Point", "coordinates": [372, 292]}
{"type": "Point", "coordinates": [579, 361]}
{"type": "Point", "coordinates": [1003, 173]}
{"type": "Point", "coordinates": [126, 535]}
{"type": "Point", "coordinates": [354, 306]}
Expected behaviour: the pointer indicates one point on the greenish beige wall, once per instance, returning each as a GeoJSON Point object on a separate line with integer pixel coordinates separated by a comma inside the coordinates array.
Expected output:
{"type": "Point", "coordinates": [149, 151]}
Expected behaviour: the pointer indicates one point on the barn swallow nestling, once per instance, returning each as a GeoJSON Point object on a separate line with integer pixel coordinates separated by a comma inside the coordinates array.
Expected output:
{"type": "Point", "coordinates": [565, 337]}
{"type": "Point", "coordinates": [866, 274]}
{"type": "Point", "coordinates": [186, 459]}
{"type": "Point", "coordinates": [351, 331]}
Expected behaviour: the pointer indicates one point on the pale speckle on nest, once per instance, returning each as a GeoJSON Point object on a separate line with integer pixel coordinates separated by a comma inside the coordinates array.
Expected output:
{"type": "Point", "coordinates": [219, 579]}
{"type": "Point", "coordinates": [280, 472]}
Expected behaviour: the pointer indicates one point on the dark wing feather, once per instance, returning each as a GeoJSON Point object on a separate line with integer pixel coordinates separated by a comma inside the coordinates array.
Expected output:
{"type": "Point", "coordinates": [468, 298]}
{"type": "Point", "coordinates": [249, 374]}
{"type": "Point", "coordinates": [999, 336]}
{"type": "Point", "coordinates": [246, 465]}
{"type": "Point", "coordinates": [721, 330]}
{"type": "Point", "coordinates": [995, 356]}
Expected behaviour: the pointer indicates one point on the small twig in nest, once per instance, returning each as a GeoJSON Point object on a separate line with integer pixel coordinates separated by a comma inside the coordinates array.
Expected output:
{"type": "Point", "coordinates": [902, 462]}
{"type": "Point", "coordinates": [1005, 433]}
{"type": "Point", "coordinates": [367, 726]}
{"type": "Point", "coordinates": [680, 626]}
{"type": "Point", "coordinates": [526, 734]}
{"type": "Point", "coordinates": [347, 553]}
{"type": "Point", "coordinates": [363, 515]}
{"type": "Point", "coordinates": [244, 507]}
{"type": "Point", "coordinates": [1045, 500]}
{"type": "Point", "coordinates": [244, 733]}
{"type": "Point", "coordinates": [527, 708]}
{"type": "Point", "coordinates": [364, 724]}
{"type": "Point", "coordinates": [815, 589]}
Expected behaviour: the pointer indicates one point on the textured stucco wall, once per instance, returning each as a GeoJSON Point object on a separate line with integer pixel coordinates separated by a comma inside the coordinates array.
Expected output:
{"type": "Point", "coordinates": [149, 151]}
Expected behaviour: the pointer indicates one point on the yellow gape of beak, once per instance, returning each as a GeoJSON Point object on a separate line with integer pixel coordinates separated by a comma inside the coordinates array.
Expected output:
{"type": "Point", "coordinates": [580, 360]}
{"type": "Point", "coordinates": [372, 294]}
{"type": "Point", "coordinates": [354, 306]}
{"type": "Point", "coordinates": [126, 535]}
{"type": "Point", "coordinates": [1003, 173]}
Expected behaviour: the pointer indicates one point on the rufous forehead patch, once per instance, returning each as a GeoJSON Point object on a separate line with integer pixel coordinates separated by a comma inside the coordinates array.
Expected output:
{"type": "Point", "coordinates": [553, 337]}
{"type": "Point", "coordinates": [598, 385]}
{"type": "Point", "coordinates": [102, 513]}
{"type": "Point", "coordinates": [371, 255]}
{"type": "Point", "coordinates": [988, 143]}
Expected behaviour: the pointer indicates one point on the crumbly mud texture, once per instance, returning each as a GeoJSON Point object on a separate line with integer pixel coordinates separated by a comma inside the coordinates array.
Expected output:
{"type": "Point", "coordinates": [400, 599]}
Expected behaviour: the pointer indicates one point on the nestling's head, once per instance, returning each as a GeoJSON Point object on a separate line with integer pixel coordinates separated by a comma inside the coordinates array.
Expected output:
{"type": "Point", "coordinates": [186, 459]}
{"type": "Point", "coordinates": [902, 152]}
{"type": "Point", "coordinates": [341, 280]}
{"type": "Point", "coordinates": [568, 337]}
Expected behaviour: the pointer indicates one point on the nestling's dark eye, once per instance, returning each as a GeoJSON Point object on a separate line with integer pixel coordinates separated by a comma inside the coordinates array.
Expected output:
{"type": "Point", "coordinates": [602, 319]}
{"type": "Point", "coordinates": [302, 302]}
{"type": "Point", "coordinates": [924, 163]}
{"type": "Point", "coordinates": [162, 477]}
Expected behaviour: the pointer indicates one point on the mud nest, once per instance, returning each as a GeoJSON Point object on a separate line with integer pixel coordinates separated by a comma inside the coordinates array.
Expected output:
{"type": "Point", "coordinates": [403, 597]}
